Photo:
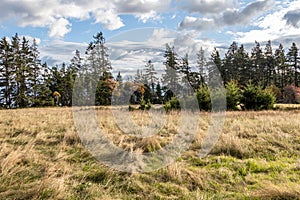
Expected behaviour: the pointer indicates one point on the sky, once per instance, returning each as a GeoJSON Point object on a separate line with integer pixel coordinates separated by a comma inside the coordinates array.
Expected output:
{"type": "Point", "coordinates": [137, 30]}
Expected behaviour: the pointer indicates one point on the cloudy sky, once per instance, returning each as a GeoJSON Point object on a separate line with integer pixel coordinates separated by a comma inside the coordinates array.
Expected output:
{"type": "Point", "coordinates": [137, 30]}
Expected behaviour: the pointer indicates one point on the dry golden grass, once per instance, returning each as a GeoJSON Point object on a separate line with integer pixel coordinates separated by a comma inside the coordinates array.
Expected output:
{"type": "Point", "coordinates": [257, 156]}
{"type": "Point", "coordinates": [287, 106]}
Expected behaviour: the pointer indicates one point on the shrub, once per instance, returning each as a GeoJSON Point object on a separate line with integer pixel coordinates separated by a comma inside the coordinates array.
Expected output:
{"type": "Point", "coordinates": [172, 104]}
{"type": "Point", "coordinates": [255, 98]}
{"type": "Point", "coordinates": [233, 95]}
{"type": "Point", "coordinates": [189, 103]}
{"type": "Point", "coordinates": [218, 99]}
{"type": "Point", "coordinates": [276, 91]}
{"type": "Point", "coordinates": [266, 100]}
{"type": "Point", "coordinates": [291, 94]}
{"type": "Point", "coordinates": [203, 97]}
{"type": "Point", "coordinates": [144, 105]}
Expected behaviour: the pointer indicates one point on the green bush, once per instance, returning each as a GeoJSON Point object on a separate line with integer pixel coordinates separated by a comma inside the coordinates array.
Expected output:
{"type": "Point", "coordinates": [172, 104]}
{"type": "Point", "coordinates": [277, 92]}
{"type": "Point", "coordinates": [218, 99]}
{"type": "Point", "coordinates": [203, 97]}
{"type": "Point", "coordinates": [255, 98]}
{"type": "Point", "coordinates": [266, 100]}
{"type": "Point", "coordinates": [233, 95]}
{"type": "Point", "coordinates": [145, 105]}
{"type": "Point", "coordinates": [189, 103]}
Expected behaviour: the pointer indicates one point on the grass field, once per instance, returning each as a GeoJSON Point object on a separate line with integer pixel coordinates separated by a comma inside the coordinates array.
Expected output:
{"type": "Point", "coordinates": [257, 157]}
{"type": "Point", "coordinates": [287, 106]}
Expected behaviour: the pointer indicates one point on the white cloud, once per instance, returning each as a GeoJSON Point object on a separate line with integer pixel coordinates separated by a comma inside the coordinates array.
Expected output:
{"type": "Point", "coordinates": [48, 13]}
{"type": "Point", "coordinates": [293, 18]}
{"type": "Point", "coordinates": [197, 23]}
{"type": "Point", "coordinates": [227, 17]}
{"type": "Point", "coordinates": [160, 37]}
{"type": "Point", "coordinates": [207, 6]}
{"type": "Point", "coordinates": [128, 55]}
{"type": "Point", "coordinates": [58, 51]}
{"type": "Point", "coordinates": [59, 28]}
{"type": "Point", "coordinates": [250, 12]}
{"type": "Point", "coordinates": [109, 19]}
{"type": "Point", "coordinates": [275, 26]}
{"type": "Point", "coordinates": [141, 6]}
{"type": "Point", "coordinates": [147, 16]}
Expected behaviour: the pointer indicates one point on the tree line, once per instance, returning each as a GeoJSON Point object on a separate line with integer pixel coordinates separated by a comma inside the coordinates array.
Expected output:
{"type": "Point", "coordinates": [262, 66]}
{"type": "Point", "coordinates": [27, 82]}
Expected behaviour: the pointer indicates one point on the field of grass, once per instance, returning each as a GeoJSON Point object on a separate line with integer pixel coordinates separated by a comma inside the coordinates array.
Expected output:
{"type": "Point", "coordinates": [287, 106]}
{"type": "Point", "coordinates": [257, 157]}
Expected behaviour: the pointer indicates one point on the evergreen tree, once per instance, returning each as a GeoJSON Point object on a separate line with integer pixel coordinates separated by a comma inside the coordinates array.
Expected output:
{"type": "Point", "coordinates": [281, 67]}
{"type": "Point", "coordinates": [269, 71]}
{"type": "Point", "coordinates": [150, 74]}
{"type": "Point", "coordinates": [170, 78]}
{"type": "Point", "coordinates": [185, 69]}
{"type": "Point", "coordinates": [242, 63]}
{"type": "Point", "coordinates": [119, 78]}
{"type": "Point", "coordinates": [230, 68]}
{"type": "Point", "coordinates": [201, 63]}
{"type": "Point", "coordinates": [76, 61]}
{"type": "Point", "coordinates": [257, 64]}
{"type": "Point", "coordinates": [6, 73]}
{"type": "Point", "coordinates": [55, 80]}
{"type": "Point", "coordinates": [293, 60]}
{"type": "Point", "coordinates": [138, 77]}
{"type": "Point", "coordinates": [44, 94]}
{"type": "Point", "coordinates": [96, 69]}
{"type": "Point", "coordinates": [158, 91]}
{"type": "Point", "coordinates": [104, 89]}
{"type": "Point", "coordinates": [97, 55]}
{"type": "Point", "coordinates": [216, 59]}
{"type": "Point", "coordinates": [34, 74]}
{"type": "Point", "coordinates": [22, 61]}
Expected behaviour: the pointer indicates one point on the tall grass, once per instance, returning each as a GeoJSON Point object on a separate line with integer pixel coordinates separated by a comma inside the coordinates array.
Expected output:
{"type": "Point", "coordinates": [257, 156]}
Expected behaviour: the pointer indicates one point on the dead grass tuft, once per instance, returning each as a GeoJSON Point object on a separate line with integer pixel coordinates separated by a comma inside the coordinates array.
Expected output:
{"type": "Point", "coordinates": [279, 191]}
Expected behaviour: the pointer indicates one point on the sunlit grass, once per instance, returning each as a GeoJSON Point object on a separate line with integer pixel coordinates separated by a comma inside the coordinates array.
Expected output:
{"type": "Point", "coordinates": [287, 106]}
{"type": "Point", "coordinates": [257, 156]}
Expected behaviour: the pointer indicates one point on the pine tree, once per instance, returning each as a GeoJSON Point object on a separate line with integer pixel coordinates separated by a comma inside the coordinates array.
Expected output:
{"type": "Point", "coordinates": [293, 60]}
{"type": "Point", "coordinates": [96, 70]}
{"type": "Point", "coordinates": [201, 63]}
{"type": "Point", "coordinates": [44, 94]}
{"type": "Point", "coordinates": [55, 80]}
{"type": "Point", "coordinates": [6, 74]}
{"type": "Point", "coordinates": [242, 63]}
{"type": "Point", "coordinates": [97, 55]}
{"type": "Point", "coordinates": [119, 78]}
{"type": "Point", "coordinates": [269, 70]}
{"type": "Point", "coordinates": [281, 67]}
{"type": "Point", "coordinates": [138, 77]}
{"type": "Point", "coordinates": [76, 61]}
{"type": "Point", "coordinates": [185, 68]}
{"type": "Point", "coordinates": [158, 91]}
{"type": "Point", "coordinates": [257, 64]}
{"type": "Point", "coordinates": [187, 79]}
{"type": "Point", "coordinates": [230, 69]}
{"type": "Point", "coordinates": [22, 61]}
{"type": "Point", "coordinates": [217, 61]}
{"type": "Point", "coordinates": [170, 78]}
{"type": "Point", "coordinates": [150, 74]}
{"type": "Point", "coordinates": [34, 73]}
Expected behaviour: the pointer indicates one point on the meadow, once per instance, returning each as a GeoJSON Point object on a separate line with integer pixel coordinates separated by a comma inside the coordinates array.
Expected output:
{"type": "Point", "coordinates": [257, 157]}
